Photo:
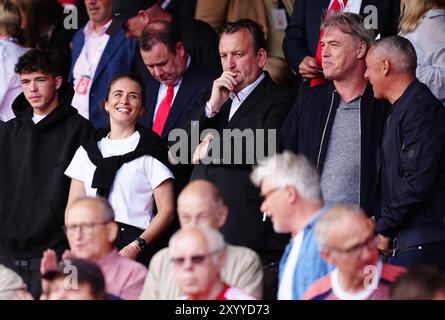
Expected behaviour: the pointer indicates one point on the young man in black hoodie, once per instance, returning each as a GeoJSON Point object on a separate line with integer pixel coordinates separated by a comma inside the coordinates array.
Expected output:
{"type": "Point", "coordinates": [37, 146]}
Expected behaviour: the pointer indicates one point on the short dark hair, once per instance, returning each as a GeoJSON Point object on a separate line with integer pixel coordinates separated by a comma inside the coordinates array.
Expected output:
{"type": "Point", "coordinates": [133, 77]}
{"type": "Point", "coordinates": [421, 282]}
{"type": "Point", "coordinates": [402, 52]}
{"type": "Point", "coordinates": [160, 32]}
{"type": "Point", "coordinates": [255, 29]}
{"type": "Point", "coordinates": [40, 60]}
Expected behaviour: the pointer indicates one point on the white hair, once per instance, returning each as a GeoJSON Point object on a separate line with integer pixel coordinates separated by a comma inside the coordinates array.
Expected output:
{"type": "Point", "coordinates": [289, 169]}
{"type": "Point", "coordinates": [335, 215]}
{"type": "Point", "coordinates": [214, 239]}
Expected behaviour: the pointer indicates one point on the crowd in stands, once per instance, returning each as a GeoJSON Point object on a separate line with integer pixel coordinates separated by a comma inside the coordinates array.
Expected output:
{"type": "Point", "coordinates": [222, 150]}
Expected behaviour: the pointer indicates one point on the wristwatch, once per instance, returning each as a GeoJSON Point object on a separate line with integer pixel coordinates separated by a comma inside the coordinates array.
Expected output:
{"type": "Point", "coordinates": [141, 243]}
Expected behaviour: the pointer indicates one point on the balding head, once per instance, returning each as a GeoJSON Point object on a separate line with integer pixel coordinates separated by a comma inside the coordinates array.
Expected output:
{"type": "Point", "coordinates": [198, 256]}
{"type": "Point", "coordinates": [201, 203]}
{"type": "Point", "coordinates": [347, 240]}
{"type": "Point", "coordinates": [90, 228]}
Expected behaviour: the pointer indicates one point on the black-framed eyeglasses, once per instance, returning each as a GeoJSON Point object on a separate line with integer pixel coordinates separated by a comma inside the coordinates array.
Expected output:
{"type": "Point", "coordinates": [357, 249]}
{"type": "Point", "coordinates": [85, 228]}
{"type": "Point", "coordinates": [195, 260]}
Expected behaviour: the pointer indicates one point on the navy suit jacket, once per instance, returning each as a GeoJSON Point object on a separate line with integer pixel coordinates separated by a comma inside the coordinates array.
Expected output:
{"type": "Point", "coordinates": [117, 58]}
{"type": "Point", "coordinates": [303, 31]}
{"type": "Point", "coordinates": [196, 81]}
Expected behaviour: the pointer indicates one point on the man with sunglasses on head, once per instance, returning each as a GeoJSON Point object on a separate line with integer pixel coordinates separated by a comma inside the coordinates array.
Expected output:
{"type": "Point", "coordinates": [347, 239]}
{"type": "Point", "coordinates": [91, 232]}
{"type": "Point", "coordinates": [197, 254]}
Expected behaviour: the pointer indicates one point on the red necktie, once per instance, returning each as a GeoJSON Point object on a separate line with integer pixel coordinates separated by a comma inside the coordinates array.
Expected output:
{"type": "Point", "coordinates": [163, 110]}
{"type": "Point", "coordinates": [335, 6]}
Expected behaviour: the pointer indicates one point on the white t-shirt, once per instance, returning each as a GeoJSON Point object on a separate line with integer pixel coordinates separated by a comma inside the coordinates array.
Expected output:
{"type": "Point", "coordinates": [287, 281]}
{"type": "Point", "coordinates": [360, 295]}
{"type": "Point", "coordinates": [131, 194]}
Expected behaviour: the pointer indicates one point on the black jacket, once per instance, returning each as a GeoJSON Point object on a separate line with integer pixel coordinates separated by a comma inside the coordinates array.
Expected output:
{"type": "Point", "coordinates": [413, 169]}
{"type": "Point", "coordinates": [265, 108]}
{"type": "Point", "coordinates": [33, 187]}
{"type": "Point", "coordinates": [307, 131]}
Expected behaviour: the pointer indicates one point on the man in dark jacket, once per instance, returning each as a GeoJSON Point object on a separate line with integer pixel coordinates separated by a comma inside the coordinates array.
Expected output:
{"type": "Point", "coordinates": [412, 159]}
{"type": "Point", "coordinates": [303, 31]}
{"type": "Point", "coordinates": [37, 147]}
{"type": "Point", "coordinates": [337, 125]}
{"type": "Point", "coordinates": [244, 104]}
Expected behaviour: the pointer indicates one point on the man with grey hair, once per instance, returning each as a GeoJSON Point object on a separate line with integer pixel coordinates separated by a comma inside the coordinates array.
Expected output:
{"type": "Point", "coordinates": [347, 240]}
{"type": "Point", "coordinates": [197, 254]}
{"type": "Point", "coordinates": [337, 125]}
{"type": "Point", "coordinates": [91, 232]}
{"type": "Point", "coordinates": [291, 194]}
{"type": "Point", "coordinates": [412, 162]}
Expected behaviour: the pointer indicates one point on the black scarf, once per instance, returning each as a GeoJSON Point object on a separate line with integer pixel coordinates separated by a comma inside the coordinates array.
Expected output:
{"type": "Point", "coordinates": [149, 144]}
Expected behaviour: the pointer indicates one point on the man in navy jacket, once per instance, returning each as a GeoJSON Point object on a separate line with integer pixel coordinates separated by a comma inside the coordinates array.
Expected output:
{"type": "Point", "coordinates": [412, 159]}
{"type": "Point", "coordinates": [94, 66]}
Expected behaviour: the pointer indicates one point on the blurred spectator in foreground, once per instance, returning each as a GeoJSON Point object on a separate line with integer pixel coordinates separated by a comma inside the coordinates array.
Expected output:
{"type": "Point", "coordinates": [419, 283]}
{"type": "Point", "coordinates": [91, 232]}
{"type": "Point", "coordinates": [201, 203]}
{"type": "Point", "coordinates": [74, 279]}
{"type": "Point", "coordinates": [197, 254]}
{"type": "Point", "coordinates": [347, 240]}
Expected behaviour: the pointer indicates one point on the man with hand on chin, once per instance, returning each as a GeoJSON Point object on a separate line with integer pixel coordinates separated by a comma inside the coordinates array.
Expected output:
{"type": "Point", "coordinates": [243, 100]}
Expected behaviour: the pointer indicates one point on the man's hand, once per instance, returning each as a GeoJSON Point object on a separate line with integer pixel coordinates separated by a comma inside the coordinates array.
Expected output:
{"type": "Point", "coordinates": [130, 251]}
{"type": "Point", "coordinates": [309, 68]}
{"type": "Point", "coordinates": [384, 244]}
{"type": "Point", "coordinates": [49, 261]}
{"type": "Point", "coordinates": [221, 89]}
{"type": "Point", "coordinates": [201, 150]}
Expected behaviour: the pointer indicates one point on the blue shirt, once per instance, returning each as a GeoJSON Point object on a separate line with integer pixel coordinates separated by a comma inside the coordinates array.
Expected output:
{"type": "Point", "coordinates": [310, 265]}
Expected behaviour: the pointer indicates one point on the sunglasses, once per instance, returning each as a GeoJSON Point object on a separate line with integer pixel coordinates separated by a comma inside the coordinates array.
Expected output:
{"type": "Point", "coordinates": [195, 260]}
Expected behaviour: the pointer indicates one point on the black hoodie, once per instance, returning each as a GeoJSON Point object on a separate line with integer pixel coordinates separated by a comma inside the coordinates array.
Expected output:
{"type": "Point", "coordinates": [33, 187]}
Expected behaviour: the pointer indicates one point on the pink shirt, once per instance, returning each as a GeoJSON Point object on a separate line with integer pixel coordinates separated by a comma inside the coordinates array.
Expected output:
{"type": "Point", "coordinates": [86, 64]}
{"type": "Point", "coordinates": [123, 277]}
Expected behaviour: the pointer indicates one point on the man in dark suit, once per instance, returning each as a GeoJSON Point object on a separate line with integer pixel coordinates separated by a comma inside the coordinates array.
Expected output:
{"type": "Point", "coordinates": [96, 59]}
{"type": "Point", "coordinates": [303, 31]}
{"type": "Point", "coordinates": [174, 77]}
{"type": "Point", "coordinates": [243, 99]}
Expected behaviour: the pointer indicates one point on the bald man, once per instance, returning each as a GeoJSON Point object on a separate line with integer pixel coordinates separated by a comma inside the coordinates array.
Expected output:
{"type": "Point", "coordinates": [197, 256]}
{"type": "Point", "coordinates": [201, 203]}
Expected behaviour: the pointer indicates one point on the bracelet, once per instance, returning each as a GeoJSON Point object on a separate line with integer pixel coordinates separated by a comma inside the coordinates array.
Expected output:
{"type": "Point", "coordinates": [134, 245]}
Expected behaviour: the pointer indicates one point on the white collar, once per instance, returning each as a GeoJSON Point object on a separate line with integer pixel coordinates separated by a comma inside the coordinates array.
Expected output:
{"type": "Point", "coordinates": [360, 295]}
{"type": "Point", "coordinates": [243, 94]}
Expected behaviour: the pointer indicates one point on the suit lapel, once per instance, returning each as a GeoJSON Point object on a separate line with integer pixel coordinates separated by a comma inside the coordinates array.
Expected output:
{"type": "Point", "coordinates": [252, 100]}
{"type": "Point", "coordinates": [152, 89]}
{"type": "Point", "coordinates": [113, 44]}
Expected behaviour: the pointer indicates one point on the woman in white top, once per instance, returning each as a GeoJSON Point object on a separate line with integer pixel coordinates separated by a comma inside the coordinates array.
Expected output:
{"type": "Point", "coordinates": [423, 23]}
{"type": "Point", "coordinates": [128, 164]}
